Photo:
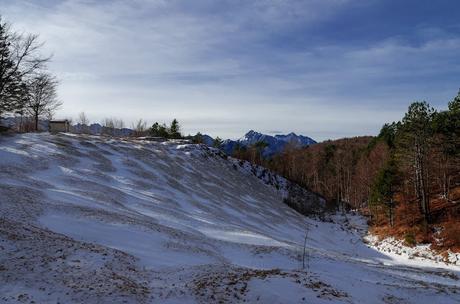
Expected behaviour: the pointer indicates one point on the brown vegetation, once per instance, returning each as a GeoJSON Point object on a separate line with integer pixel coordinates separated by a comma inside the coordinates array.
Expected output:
{"type": "Point", "coordinates": [407, 179]}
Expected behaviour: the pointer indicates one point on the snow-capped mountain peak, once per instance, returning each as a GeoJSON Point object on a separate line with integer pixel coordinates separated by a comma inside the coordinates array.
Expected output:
{"type": "Point", "coordinates": [275, 144]}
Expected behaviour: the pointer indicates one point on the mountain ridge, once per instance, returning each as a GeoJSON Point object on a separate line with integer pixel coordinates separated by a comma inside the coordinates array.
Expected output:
{"type": "Point", "coordinates": [275, 144]}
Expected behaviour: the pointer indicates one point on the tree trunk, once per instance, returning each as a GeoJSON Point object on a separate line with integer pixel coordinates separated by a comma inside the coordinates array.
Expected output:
{"type": "Point", "coordinates": [421, 185]}
{"type": "Point", "coordinates": [391, 213]}
{"type": "Point", "coordinates": [36, 122]}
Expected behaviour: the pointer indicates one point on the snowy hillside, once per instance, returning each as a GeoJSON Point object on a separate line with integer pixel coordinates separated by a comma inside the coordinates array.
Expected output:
{"type": "Point", "coordinates": [87, 219]}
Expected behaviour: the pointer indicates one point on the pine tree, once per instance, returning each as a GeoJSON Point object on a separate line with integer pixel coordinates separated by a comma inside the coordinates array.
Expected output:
{"type": "Point", "coordinates": [158, 130]}
{"type": "Point", "coordinates": [414, 141]}
{"type": "Point", "coordinates": [446, 125]}
{"type": "Point", "coordinates": [174, 130]}
{"type": "Point", "coordinates": [454, 124]}
{"type": "Point", "coordinates": [388, 134]}
{"type": "Point", "coordinates": [454, 105]}
{"type": "Point", "coordinates": [217, 142]}
{"type": "Point", "coordinates": [384, 188]}
{"type": "Point", "coordinates": [198, 138]}
{"type": "Point", "coordinates": [153, 131]}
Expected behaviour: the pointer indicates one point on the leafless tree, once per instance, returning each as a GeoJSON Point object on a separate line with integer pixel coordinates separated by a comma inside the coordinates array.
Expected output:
{"type": "Point", "coordinates": [305, 254]}
{"type": "Point", "coordinates": [84, 122]}
{"type": "Point", "coordinates": [110, 125]}
{"type": "Point", "coordinates": [42, 99]}
{"type": "Point", "coordinates": [82, 119]}
{"type": "Point", "coordinates": [118, 123]}
{"type": "Point", "coordinates": [20, 60]}
{"type": "Point", "coordinates": [140, 128]}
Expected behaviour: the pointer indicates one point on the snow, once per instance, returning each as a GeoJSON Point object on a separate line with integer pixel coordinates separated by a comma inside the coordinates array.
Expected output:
{"type": "Point", "coordinates": [241, 237]}
{"type": "Point", "coordinates": [89, 219]}
{"type": "Point", "coordinates": [416, 254]}
{"type": "Point", "coordinates": [145, 245]}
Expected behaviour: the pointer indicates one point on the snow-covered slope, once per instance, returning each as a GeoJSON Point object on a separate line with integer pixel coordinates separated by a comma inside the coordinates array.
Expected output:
{"type": "Point", "coordinates": [86, 219]}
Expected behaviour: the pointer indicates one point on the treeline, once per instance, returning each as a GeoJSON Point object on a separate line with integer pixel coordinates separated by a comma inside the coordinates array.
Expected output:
{"type": "Point", "coordinates": [172, 132]}
{"type": "Point", "coordinates": [407, 178]}
{"type": "Point", "coordinates": [27, 88]}
{"type": "Point", "coordinates": [424, 159]}
{"type": "Point", "coordinates": [341, 170]}
{"type": "Point", "coordinates": [116, 127]}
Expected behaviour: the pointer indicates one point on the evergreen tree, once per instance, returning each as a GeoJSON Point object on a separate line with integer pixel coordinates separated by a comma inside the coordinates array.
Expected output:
{"type": "Point", "coordinates": [414, 141]}
{"type": "Point", "coordinates": [388, 134]}
{"type": "Point", "coordinates": [198, 138]}
{"type": "Point", "coordinates": [454, 105]}
{"type": "Point", "coordinates": [446, 125]}
{"type": "Point", "coordinates": [384, 188]}
{"type": "Point", "coordinates": [454, 124]}
{"type": "Point", "coordinates": [158, 130]}
{"type": "Point", "coordinates": [174, 130]}
{"type": "Point", "coordinates": [217, 142]}
{"type": "Point", "coordinates": [153, 131]}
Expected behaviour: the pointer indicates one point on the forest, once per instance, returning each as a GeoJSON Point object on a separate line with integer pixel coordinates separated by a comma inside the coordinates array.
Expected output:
{"type": "Point", "coordinates": [406, 179]}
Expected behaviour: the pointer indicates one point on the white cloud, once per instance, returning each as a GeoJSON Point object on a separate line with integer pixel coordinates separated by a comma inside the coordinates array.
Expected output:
{"type": "Point", "coordinates": [208, 64]}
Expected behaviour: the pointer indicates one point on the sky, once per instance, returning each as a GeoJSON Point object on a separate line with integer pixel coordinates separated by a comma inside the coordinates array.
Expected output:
{"type": "Point", "coordinates": [322, 68]}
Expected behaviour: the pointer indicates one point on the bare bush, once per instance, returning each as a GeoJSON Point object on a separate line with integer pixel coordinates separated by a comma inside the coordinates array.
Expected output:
{"type": "Point", "coordinates": [140, 128]}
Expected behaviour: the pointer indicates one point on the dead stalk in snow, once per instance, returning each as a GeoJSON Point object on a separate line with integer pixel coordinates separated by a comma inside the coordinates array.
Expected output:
{"type": "Point", "coordinates": [305, 256]}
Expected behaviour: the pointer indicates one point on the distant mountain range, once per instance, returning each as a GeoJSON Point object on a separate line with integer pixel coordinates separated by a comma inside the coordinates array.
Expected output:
{"type": "Point", "coordinates": [275, 144]}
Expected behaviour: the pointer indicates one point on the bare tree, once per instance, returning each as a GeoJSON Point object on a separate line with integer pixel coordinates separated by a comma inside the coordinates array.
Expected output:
{"type": "Point", "coordinates": [118, 123]}
{"type": "Point", "coordinates": [42, 100]}
{"type": "Point", "coordinates": [20, 60]}
{"type": "Point", "coordinates": [140, 128]}
{"type": "Point", "coordinates": [305, 253]}
{"type": "Point", "coordinates": [110, 125]}
{"type": "Point", "coordinates": [83, 121]}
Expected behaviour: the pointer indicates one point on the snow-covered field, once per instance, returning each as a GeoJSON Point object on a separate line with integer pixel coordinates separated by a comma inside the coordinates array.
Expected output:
{"type": "Point", "coordinates": [87, 219]}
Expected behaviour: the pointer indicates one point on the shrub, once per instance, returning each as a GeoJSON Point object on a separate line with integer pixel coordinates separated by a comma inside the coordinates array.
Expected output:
{"type": "Point", "coordinates": [451, 234]}
{"type": "Point", "coordinates": [409, 239]}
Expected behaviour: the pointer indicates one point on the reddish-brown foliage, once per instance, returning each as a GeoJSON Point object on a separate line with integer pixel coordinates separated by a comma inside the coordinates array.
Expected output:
{"type": "Point", "coordinates": [344, 171]}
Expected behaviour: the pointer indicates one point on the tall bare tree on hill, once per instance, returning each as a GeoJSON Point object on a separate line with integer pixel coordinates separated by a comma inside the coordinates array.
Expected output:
{"type": "Point", "coordinates": [20, 60]}
{"type": "Point", "coordinates": [42, 99]}
{"type": "Point", "coordinates": [83, 121]}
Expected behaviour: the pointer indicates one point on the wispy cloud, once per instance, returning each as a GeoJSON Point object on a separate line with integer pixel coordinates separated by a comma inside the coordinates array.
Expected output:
{"type": "Point", "coordinates": [223, 67]}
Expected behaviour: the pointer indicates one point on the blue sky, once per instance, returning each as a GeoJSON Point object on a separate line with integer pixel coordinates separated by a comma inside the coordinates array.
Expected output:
{"type": "Point", "coordinates": [323, 68]}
